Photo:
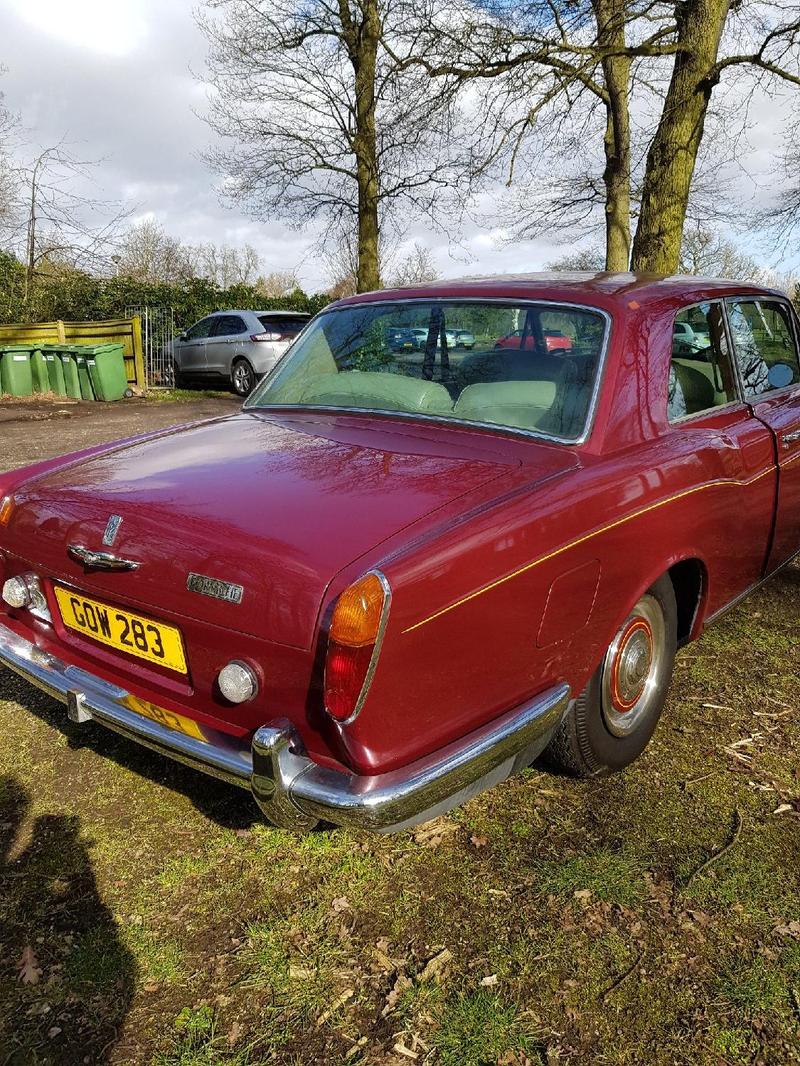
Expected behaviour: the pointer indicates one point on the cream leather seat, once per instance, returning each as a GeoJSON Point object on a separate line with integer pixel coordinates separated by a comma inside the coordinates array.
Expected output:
{"type": "Point", "coordinates": [510, 403]}
{"type": "Point", "coordinates": [378, 391]}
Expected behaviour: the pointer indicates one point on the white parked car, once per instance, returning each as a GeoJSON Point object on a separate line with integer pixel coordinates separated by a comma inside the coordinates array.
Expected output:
{"type": "Point", "coordinates": [237, 346]}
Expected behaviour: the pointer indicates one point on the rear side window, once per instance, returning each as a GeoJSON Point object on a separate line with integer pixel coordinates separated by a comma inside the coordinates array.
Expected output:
{"type": "Point", "coordinates": [287, 325]}
{"type": "Point", "coordinates": [229, 326]}
{"type": "Point", "coordinates": [765, 346]}
{"type": "Point", "coordinates": [701, 374]}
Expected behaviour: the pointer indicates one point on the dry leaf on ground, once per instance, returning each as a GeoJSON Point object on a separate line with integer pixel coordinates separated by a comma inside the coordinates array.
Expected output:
{"type": "Point", "coordinates": [29, 969]}
{"type": "Point", "coordinates": [436, 965]}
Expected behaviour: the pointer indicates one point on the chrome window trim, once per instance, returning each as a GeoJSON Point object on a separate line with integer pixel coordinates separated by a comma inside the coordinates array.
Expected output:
{"type": "Point", "coordinates": [376, 651]}
{"type": "Point", "coordinates": [250, 405]}
{"type": "Point", "coordinates": [761, 397]}
{"type": "Point", "coordinates": [710, 411]}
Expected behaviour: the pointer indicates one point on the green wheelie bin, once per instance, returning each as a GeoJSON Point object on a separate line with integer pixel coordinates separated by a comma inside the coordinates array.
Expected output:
{"type": "Point", "coordinates": [55, 369]}
{"type": "Point", "coordinates": [79, 355]}
{"type": "Point", "coordinates": [106, 363]}
{"type": "Point", "coordinates": [16, 378]}
{"type": "Point", "coordinates": [67, 370]}
{"type": "Point", "coordinates": [41, 379]}
{"type": "Point", "coordinates": [72, 381]}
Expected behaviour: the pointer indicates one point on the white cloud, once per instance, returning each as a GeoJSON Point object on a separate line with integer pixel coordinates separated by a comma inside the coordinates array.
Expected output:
{"type": "Point", "coordinates": [107, 27]}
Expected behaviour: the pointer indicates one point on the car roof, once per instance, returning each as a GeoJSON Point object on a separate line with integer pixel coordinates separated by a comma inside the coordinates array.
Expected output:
{"type": "Point", "coordinates": [605, 290]}
{"type": "Point", "coordinates": [252, 311]}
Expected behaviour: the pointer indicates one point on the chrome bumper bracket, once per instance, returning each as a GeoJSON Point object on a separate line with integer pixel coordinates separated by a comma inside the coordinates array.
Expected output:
{"type": "Point", "coordinates": [76, 707]}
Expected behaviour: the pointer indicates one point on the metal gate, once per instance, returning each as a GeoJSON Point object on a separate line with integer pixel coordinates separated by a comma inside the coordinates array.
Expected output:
{"type": "Point", "coordinates": [158, 334]}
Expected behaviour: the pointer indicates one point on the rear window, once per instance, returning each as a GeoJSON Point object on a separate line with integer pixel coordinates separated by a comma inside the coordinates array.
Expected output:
{"type": "Point", "coordinates": [532, 366]}
{"type": "Point", "coordinates": [289, 325]}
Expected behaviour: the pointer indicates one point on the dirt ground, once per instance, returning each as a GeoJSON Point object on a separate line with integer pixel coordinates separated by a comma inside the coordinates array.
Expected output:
{"type": "Point", "coordinates": [650, 918]}
{"type": "Point", "coordinates": [32, 430]}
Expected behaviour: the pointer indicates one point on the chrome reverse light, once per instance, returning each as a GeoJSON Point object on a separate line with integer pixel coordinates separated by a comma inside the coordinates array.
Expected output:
{"type": "Point", "coordinates": [16, 592]}
{"type": "Point", "coordinates": [237, 682]}
{"type": "Point", "coordinates": [26, 591]}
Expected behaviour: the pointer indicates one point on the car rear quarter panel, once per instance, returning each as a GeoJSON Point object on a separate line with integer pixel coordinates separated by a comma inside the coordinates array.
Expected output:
{"type": "Point", "coordinates": [530, 590]}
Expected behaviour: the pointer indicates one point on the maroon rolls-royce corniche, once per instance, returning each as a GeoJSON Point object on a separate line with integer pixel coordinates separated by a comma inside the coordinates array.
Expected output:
{"type": "Point", "coordinates": [396, 577]}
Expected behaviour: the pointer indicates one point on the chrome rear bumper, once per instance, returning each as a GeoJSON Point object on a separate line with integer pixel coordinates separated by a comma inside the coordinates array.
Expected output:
{"type": "Point", "coordinates": [291, 789]}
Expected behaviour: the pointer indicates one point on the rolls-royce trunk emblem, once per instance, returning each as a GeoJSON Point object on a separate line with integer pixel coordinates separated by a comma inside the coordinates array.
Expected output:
{"type": "Point", "coordinates": [112, 528]}
{"type": "Point", "coordinates": [212, 586]}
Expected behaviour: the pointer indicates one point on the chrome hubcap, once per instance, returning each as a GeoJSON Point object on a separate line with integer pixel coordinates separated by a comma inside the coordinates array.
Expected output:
{"type": "Point", "coordinates": [634, 668]}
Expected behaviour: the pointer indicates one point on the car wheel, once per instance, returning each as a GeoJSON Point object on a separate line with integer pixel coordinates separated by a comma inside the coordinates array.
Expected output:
{"type": "Point", "coordinates": [178, 380]}
{"type": "Point", "coordinates": [243, 377]}
{"type": "Point", "coordinates": [612, 720]}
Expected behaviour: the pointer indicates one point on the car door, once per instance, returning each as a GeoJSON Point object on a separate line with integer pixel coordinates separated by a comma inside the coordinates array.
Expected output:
{"type": "Point", "coordinates": [765, 338]}
{"type": "Point", "coordinates": [190, 348]}
{"type": "Point", "coordinates": [226, 339]}
{"type": "Point", "coordinates": [730, 447]}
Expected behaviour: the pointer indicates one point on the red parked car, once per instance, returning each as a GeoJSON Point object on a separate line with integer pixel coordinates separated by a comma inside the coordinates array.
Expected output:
{"type": "Point", "coordinates": [379, 589]}
{"type": "Point", "coordinates": [550, 340]}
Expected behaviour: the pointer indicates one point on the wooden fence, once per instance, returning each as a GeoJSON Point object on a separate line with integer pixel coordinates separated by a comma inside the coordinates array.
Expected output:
{"type": "Point", "coordinates": [127, 331]}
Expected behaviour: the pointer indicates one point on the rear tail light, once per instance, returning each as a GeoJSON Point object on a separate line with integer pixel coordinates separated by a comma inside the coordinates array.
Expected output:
{"type": "Point", "coordinates": [354, 643]}
{"type": "Point", "coordinates": [265, 336]}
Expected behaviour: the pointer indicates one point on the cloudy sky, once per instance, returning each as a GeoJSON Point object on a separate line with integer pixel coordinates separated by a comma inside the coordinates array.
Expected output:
{"type": "Point", "coordinates": [116, 78]}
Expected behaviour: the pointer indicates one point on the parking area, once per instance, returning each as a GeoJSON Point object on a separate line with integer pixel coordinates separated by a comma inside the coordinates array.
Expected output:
{"type": "Point", "coordinates": [33, 430]}
{"type": "Point", "coordinates": [149, 916]}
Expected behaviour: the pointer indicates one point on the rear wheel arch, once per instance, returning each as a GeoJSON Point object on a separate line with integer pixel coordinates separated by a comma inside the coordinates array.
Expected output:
{"type": "Point", "coordinates": [689, 579]}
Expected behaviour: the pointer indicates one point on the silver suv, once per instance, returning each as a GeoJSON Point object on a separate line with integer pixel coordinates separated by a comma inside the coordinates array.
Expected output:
{"type": "Point", "coordinates": [239, 346]}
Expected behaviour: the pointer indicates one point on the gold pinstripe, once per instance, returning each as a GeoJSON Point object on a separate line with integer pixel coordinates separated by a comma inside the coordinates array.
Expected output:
{"type": "Point", "coordinates": [588, 536]}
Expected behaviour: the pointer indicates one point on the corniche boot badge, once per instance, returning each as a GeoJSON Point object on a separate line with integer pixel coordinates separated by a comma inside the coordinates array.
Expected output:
{"type": "Point", "coordinates": [212, 586]}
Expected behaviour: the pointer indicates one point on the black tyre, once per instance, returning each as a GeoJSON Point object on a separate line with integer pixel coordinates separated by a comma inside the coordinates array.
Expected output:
{"type": "Point", "coordinates": [612, 720]}
{"type": "Point", "coordinates": [178, 380]}
{"type": "Point", "coordinates": [243, 378]}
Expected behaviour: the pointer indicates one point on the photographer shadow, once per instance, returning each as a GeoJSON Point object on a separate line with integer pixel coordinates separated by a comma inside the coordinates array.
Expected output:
{"type": "Point", "coordinates": [66, 977]}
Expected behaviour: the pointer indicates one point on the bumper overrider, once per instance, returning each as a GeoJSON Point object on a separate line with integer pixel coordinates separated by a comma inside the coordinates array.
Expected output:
{"type": "Point", "coordinates": [291, 789]}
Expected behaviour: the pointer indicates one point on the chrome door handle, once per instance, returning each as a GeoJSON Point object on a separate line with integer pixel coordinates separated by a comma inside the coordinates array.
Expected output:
{"type": "Point", "coordinates": [790, 438]}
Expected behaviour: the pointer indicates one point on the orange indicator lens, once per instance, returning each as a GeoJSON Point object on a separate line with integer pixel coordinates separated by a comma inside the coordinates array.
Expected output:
{"type": "Point", "coordinates": [357, 615]}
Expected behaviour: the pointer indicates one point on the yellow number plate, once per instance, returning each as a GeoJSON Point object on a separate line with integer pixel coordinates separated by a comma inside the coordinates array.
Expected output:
{"type": "Point", "coordinates": [164, 717]}
{"type": "Point", "coordinates": [142, 637]}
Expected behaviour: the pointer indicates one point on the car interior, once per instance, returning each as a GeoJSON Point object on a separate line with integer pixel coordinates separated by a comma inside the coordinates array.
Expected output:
{"type": "Point", "coordinates": [701, 374]}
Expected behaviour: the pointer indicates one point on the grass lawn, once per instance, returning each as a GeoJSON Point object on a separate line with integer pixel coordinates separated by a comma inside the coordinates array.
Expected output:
{"type": "Point", "coordinates": [648, 918]}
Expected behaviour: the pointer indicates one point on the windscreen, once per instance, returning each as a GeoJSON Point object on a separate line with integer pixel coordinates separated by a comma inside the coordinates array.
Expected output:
{"type": "Point", "coordinates": [286, 325]}
{"type": "Point", "coordinates": [521, 366]}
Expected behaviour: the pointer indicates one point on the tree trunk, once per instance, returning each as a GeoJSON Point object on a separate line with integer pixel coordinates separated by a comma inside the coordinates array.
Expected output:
{"type": "Point", "coordinates": [610, 17]}
{"type": "Point", "coordinates": [673, 151]}
{"type": "Point", "coordinates": [362, 41]}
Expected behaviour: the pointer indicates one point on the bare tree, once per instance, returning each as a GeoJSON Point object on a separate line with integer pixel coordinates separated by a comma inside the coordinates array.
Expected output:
{"type": "Point", "coordinates": [785, 215]}
{"type": "Point", "coordinates": [58, 223]}
{"type": "Point", "coordinates": [148, 253]}
{"type": "Point", "coordinates": [224, 264]}
{"type": "Point", "coordinates": [589, 259]}
{"type": "Point", "coordinates": [705, 253]}
{"type": "Point", "coordinates": [321, 125]}
{"type": "Point", "coordinates": [416, 268]}
{"type": "Point", "coordinates": [9, 177]}
{"type": "Point", "coordinates": [569, 75]}
{"type": "Point", "coordinates": [277, 283]}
